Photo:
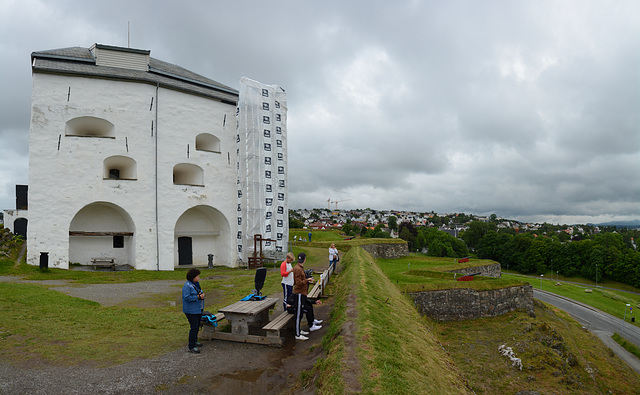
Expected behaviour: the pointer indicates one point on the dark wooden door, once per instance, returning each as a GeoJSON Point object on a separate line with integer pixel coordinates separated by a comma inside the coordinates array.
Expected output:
{"type": "Point", "coordinates": [185, 253]}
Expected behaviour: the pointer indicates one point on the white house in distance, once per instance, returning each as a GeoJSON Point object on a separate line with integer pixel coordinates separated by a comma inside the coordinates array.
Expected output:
{"type": "Point", "coordinates": [134, 159]}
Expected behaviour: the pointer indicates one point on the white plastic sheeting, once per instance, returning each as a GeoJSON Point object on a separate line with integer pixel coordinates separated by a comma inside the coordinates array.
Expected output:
{"type": "Point", "coordinates": [261, 157]}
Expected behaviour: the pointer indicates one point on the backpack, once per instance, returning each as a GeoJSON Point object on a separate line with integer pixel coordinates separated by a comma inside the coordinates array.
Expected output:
{"type": "Point", "coordinates": [208, 318]}
{"type": "Point", "coordinates": [291, 304]}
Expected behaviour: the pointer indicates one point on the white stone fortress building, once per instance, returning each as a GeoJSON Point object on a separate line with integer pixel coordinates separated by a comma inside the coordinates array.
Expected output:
{"type": "Point", "coordinates": [137, 160]}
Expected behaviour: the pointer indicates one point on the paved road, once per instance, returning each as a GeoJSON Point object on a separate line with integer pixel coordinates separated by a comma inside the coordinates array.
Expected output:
{"type": "Point", "coordinates": [597, 322]}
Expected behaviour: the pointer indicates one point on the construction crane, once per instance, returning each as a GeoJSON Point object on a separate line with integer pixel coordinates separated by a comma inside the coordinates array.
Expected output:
{"type": "Point", "coordinates": [338, 201]}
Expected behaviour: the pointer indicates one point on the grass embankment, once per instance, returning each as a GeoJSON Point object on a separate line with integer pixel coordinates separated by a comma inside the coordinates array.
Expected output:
{"type": "Point", "coordinates": [395, 351]}
{"type": "Point", "coordinates": [627, 345]}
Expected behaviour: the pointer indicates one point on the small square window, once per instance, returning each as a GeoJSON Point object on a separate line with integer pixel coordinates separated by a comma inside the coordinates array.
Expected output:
{"type": "Point", "coordinates": [118, 241]}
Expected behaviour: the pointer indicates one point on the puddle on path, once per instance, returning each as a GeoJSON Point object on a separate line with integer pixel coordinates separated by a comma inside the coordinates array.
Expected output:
{"type": "Point", "coordinates": [272, 380]}
{"type": "Point", "coordinates": [258, 381]}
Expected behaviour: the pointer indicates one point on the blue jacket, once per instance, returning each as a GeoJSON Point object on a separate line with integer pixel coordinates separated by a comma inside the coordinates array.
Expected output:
{"type": "Point", "coordinates": [190, 302]}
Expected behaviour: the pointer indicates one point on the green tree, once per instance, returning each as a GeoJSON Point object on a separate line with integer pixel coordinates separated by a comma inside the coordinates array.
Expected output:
{"type": "Point", "coordinates": [295, 223]}
{"type": "Point", "coordinates": [475, 233]}
{"type": "Point", "coordinates": [393, 223]}
{"type": "Point", "coordinates": [410, 238]}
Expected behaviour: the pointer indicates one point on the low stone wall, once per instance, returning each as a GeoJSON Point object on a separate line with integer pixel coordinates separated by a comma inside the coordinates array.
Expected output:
{"type": "Point", "coordinates": [466, 304]}
{"type": "Point", "coordinates": [493, 270]}
{"type": "Point", "coordinates": [387, 251]}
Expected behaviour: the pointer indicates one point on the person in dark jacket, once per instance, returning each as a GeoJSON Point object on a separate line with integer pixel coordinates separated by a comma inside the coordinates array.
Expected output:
{"type": "Point", "coordinates": [302, 305]}
{"type": "Point", "coordinates": [193, 306]}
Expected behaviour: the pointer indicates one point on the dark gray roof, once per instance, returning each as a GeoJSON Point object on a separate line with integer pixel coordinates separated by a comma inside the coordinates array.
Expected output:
{"type": "Point", "coordinates": [80, 61]}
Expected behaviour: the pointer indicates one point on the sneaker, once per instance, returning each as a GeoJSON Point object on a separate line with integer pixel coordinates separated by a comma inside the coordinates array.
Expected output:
{"type": "Point", "coordinates": [302, 337]}
{"type": "Point", "coordinates": [303, 332]}
{"type": "Point", "coordinates": [198, 344]}
{"type": "Point", "coordinates": [315, 328]}
{"type": "Point", "coordinates": [317, 322]}
{"type": "Point", "coordinates": [194, 350]}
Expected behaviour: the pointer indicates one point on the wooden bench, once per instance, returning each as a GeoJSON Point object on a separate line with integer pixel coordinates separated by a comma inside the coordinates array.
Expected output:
{"type": "Point", "coordinates": [103, 263]}
{"type": "Point", "coordinates": [316, 291]}
{"type": "Point", "coordinates": [276, 325]}
{"type": "Point", "coordinates": [208, 329]}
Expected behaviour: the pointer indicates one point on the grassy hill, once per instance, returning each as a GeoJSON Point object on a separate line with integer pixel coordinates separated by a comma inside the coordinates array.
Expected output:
{"type": "Point", "coordinates": [398, 351]}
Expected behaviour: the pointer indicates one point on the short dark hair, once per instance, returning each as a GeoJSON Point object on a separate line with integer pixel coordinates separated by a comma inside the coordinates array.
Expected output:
{"type": "Point", "coordinates": [193, 273]}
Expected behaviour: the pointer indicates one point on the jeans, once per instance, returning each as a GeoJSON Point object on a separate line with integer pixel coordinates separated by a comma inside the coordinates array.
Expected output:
{"type": "Point", "coordinates": [333, 263]}
{"type": "Point", "coordinates": [194, 324]}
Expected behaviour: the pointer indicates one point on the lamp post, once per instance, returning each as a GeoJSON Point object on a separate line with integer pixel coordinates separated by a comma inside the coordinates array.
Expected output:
{"type": "Point", "coordinates": [597, 278]}
{"type": "Point", "coordinates": [624, 319]}
{"type": "Point", "coordinates": [542, 275]}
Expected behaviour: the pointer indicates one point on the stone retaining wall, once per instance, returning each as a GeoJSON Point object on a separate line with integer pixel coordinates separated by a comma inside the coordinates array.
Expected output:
{"type": "Point", "coordinates": [467, 304]}
{"type": "Point", "coordinates": [493, 270]}
{"type": "Point", "coordinates": [387, 251]}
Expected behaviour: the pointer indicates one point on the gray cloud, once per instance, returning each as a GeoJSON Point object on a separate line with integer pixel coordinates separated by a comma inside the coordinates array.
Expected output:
{"type": "Point", "coordinates": [523, 109]}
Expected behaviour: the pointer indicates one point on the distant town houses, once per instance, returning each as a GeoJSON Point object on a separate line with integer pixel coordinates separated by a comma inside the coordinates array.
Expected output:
{"type": "Point", "coordinates": [454, 224]}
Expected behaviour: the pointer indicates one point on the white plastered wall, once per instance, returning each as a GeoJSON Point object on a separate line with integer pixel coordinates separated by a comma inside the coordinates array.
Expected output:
{"type": "Point", "coordinates": [66, 173]}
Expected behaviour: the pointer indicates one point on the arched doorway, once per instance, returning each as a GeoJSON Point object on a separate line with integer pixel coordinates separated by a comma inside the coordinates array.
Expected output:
{"type": "Point", "coordinates": [102, 230]}
{"type": "Point", "coordinates": [200, 231]}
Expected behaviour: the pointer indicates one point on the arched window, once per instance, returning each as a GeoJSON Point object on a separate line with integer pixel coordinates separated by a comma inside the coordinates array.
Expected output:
{"type": "Point", "coordinates": [208, 142]}
{"type": "Point", "coordinates": [119, 168]}
{"type": "Point", "coordinates": [90, 127]}
{"type": "Point", "coordinates": [188, 174]}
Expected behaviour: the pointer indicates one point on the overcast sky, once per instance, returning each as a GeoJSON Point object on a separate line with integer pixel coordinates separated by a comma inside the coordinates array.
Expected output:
{"type": "Point", "coordinates": [526, 109]}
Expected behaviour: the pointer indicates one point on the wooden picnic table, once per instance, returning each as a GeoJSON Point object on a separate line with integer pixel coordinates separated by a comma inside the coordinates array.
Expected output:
{"type": "Point", "coordinates": [247, 314]}
{"type": "Point", "coordinates": [247, 317]}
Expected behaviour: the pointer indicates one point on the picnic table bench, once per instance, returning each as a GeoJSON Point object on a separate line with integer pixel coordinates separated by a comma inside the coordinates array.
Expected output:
{"type": "Point", "coordinates": [276, 325]}
{"type": "Point", "coordinates": [103, 262]}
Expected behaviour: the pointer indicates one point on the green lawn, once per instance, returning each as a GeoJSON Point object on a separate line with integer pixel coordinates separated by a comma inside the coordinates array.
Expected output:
{"type": "Point", "coordinates": [316, 235]}
{"type": "Point", "coordinates": [420, 273]}
{"type": "Point", "coordinates": [37, 323]}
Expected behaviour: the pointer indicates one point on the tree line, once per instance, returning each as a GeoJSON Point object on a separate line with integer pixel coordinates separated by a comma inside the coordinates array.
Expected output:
{"type": "Point", "coordinates": [608, 255]}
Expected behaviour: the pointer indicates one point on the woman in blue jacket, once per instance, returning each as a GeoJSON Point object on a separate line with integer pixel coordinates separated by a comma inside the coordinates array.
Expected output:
{"type": "Point", "coordinates": [193, 306]}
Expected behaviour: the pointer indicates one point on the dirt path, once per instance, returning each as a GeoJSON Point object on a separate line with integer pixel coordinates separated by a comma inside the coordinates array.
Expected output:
{"type": "Point", "coordinates": [222, 367]}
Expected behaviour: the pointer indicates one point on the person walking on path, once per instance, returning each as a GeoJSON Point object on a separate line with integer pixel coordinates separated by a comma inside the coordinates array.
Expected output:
{"type": "Point", "coordinates": [286, 271]}
{"type": "Point", "coordinates": [333, 256]}
{"type": "Point", "coordinates": [309, 237]}
{"type": "Point", "coordinates": [193, 307]}
{"type": "Point", "coordinates": [302, 304]}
